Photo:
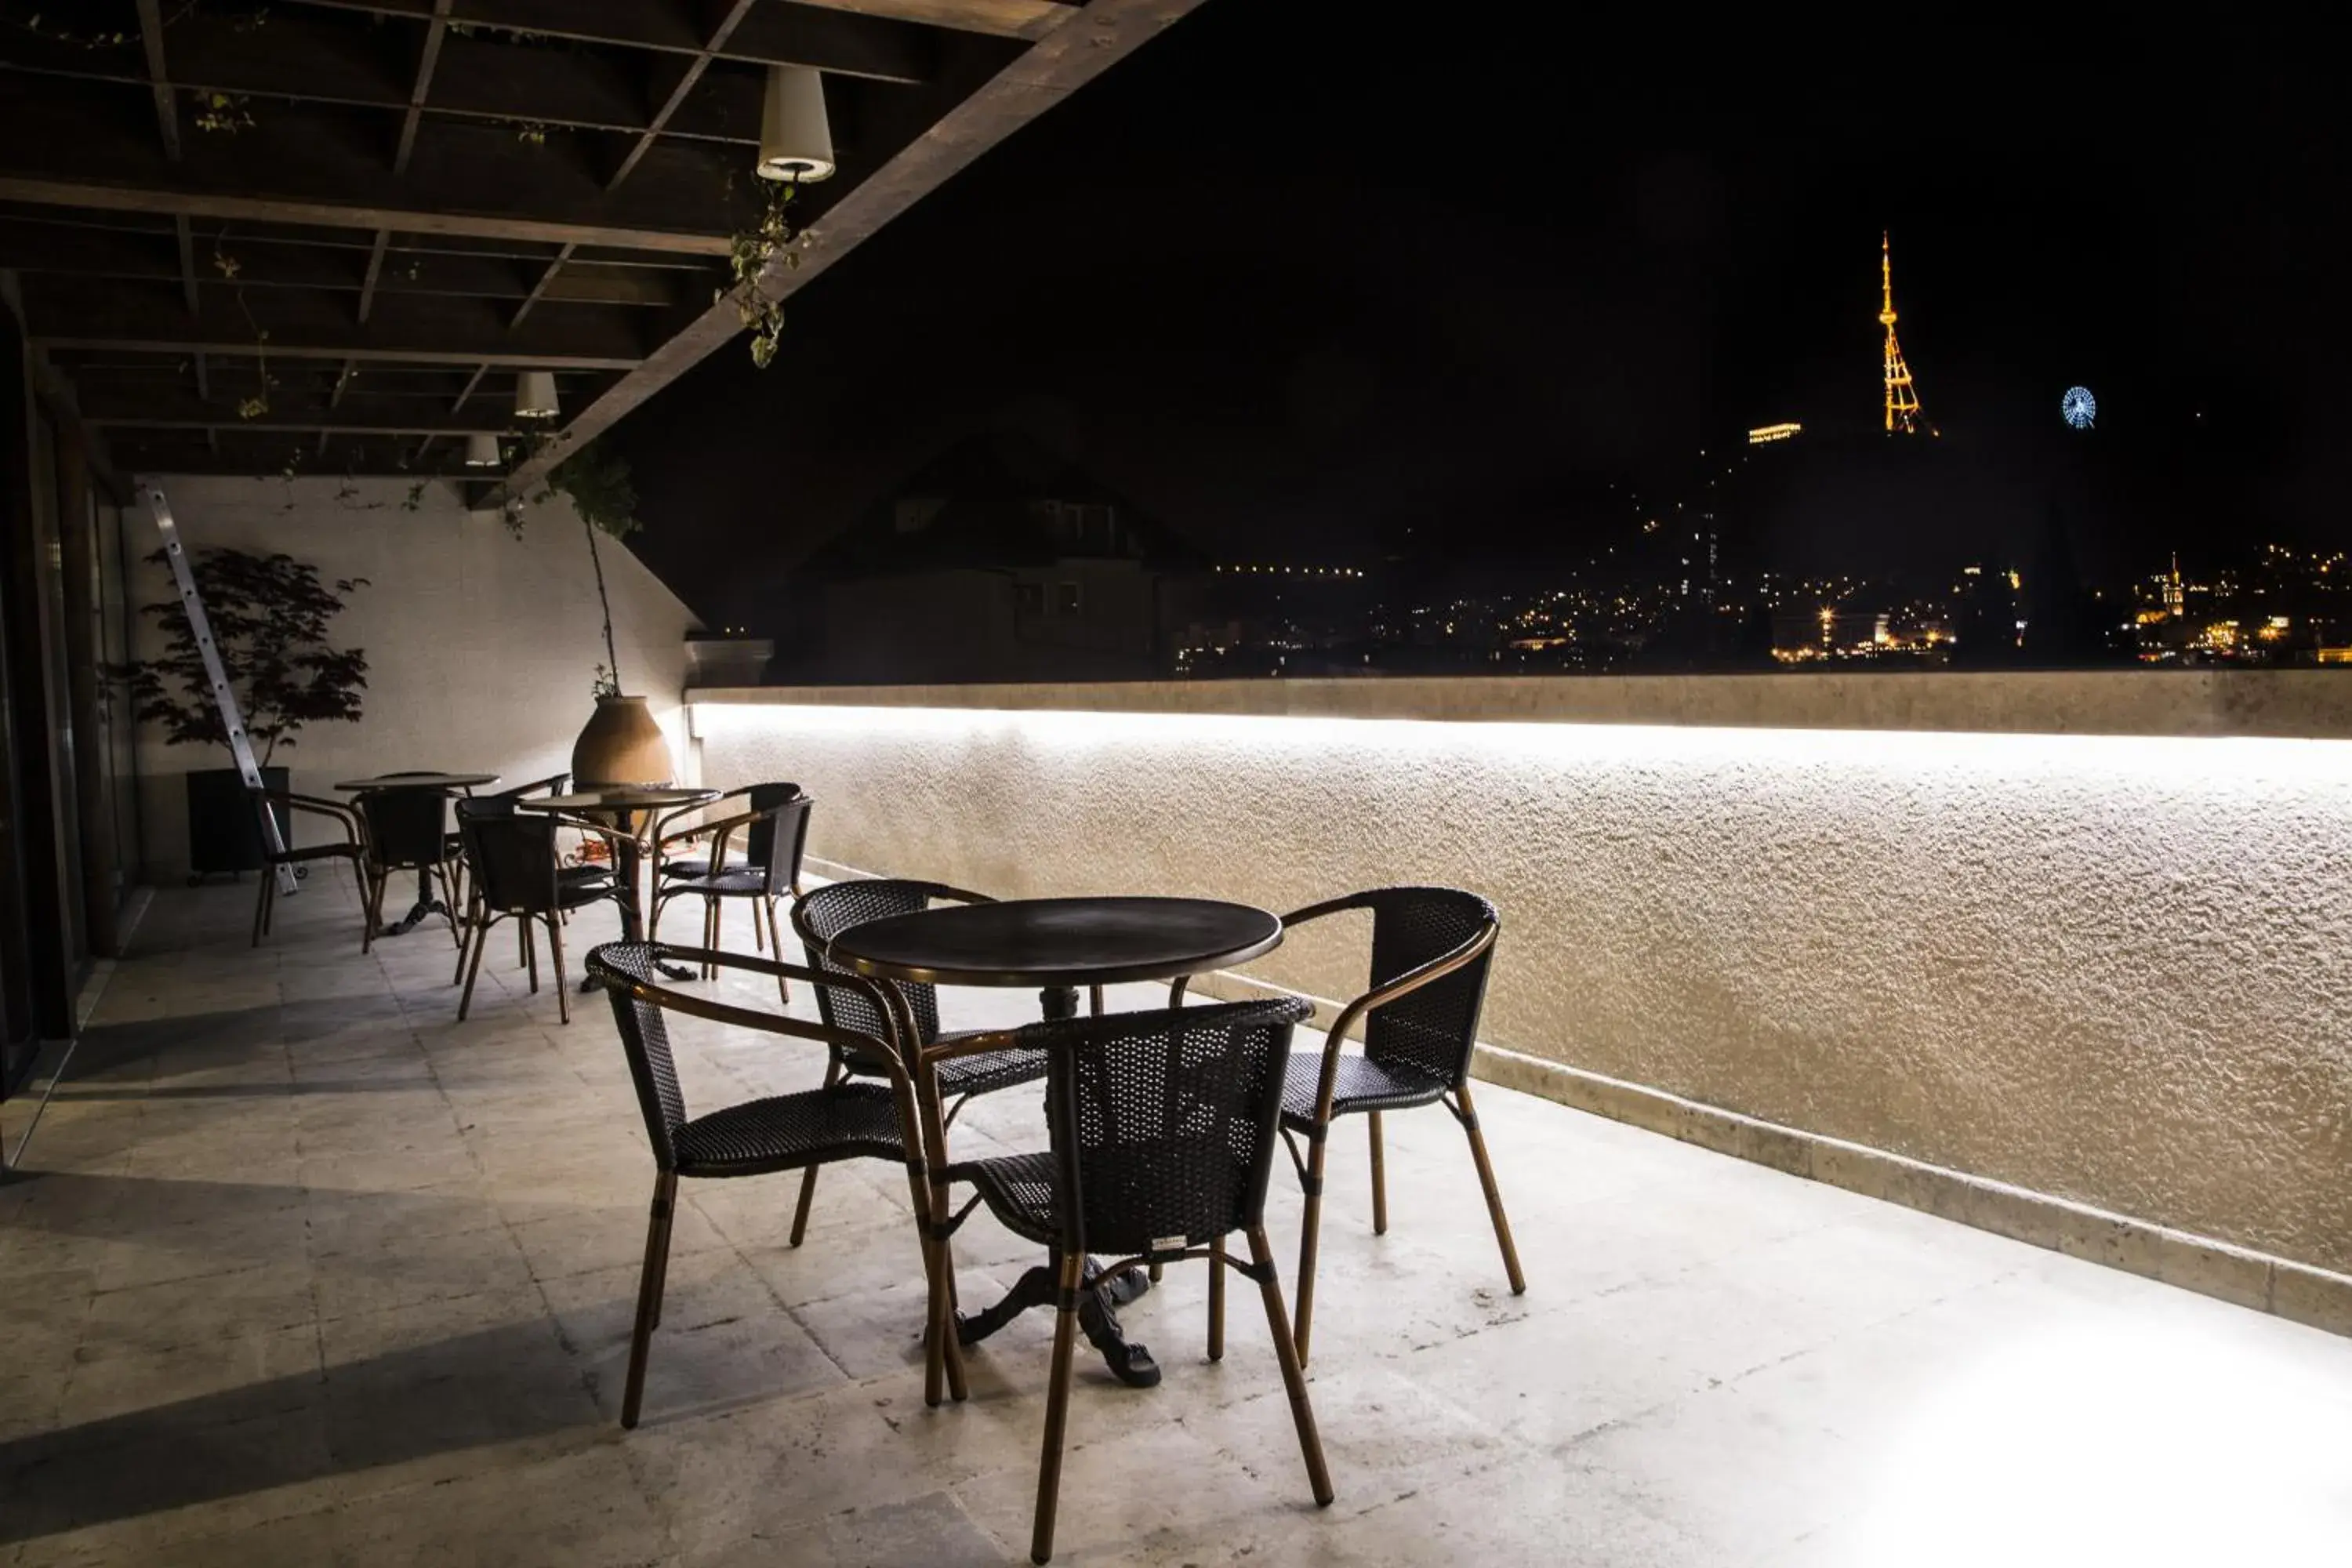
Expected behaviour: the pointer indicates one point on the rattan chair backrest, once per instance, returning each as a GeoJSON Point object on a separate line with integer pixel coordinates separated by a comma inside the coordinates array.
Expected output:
{"type": "Point", "coordinates": [1163, 1122]}
{"type": "Point", "coordinates": [511, 855]}
{"type": "Point", "coordinates": [1429, 1032]}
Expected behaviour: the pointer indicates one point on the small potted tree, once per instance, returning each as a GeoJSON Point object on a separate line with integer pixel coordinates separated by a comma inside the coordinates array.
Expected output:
{"type": "Point", "coordinates": [268, 615]}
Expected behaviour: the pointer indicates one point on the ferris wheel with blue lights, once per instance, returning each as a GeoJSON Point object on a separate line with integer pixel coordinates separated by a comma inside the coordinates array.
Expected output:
{"type": "Point", "coordinates": [2078, 407]}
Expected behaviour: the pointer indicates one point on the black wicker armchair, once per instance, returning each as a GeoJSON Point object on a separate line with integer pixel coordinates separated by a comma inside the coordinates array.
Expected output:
{"type": "Point", "coordinates": [824, 913]}
{"type": "Point", "coordinates": [774, 833]}
{"type": "Point", "coordinates": [512, 861]}
{"type": "Point", "coordinates": [1431, 949]}
{"type": "Point", "coordinates": [842, 1120]}
{"type": "Point", "coordinates": [275, 807]}
{"type": "Point", "coordinates": [1163, 1126]}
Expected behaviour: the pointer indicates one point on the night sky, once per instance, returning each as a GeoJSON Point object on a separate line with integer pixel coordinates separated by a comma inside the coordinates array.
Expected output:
{"type": "Point", "coordinates": [1314, 286]}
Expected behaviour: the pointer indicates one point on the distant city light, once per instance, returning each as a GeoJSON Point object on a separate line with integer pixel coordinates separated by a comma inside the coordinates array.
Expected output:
{"type": "Point", "coordinates": [1781, 432]}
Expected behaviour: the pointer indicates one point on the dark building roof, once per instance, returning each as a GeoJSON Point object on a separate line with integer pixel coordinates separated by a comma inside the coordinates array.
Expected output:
{"type": "Point", "coordinates": [999, 501]}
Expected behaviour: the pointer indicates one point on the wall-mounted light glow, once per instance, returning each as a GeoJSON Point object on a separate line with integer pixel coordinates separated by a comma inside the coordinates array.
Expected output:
{"type": "Point", "coordinates": [2202, 761]}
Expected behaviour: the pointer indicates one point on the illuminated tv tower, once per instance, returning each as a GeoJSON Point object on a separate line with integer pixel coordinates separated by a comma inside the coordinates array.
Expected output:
{"type": "Point", "coordinates": [1901, 399]}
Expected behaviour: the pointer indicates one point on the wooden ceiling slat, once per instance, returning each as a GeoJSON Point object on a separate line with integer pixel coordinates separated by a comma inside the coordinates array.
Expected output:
{"type": "Point", "coordinates": [355, 415]}
{"type": "Point", "coordinates": [185, 233]}
{"type": "Point", "coordinates": [375, 271]}
{"type": "Point", "coordinates": [687, 76]}
{"type": "Point", "coordinates": [421, 83]}
{"type": "Point", "coordinates": [93, 313]}
{"type": "Point", "coordinates": [839, 40]}
{"type": "Point", "coordinates": [159, 79]}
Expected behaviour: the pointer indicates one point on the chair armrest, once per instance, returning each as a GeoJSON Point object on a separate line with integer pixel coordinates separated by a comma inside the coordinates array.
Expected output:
{"type": "Point", "coordinates": [1336, 1038]}
{"type": "Point", "coordinates": [660, 829]}
{"type": "Point", "coordinates": [345, 817]}
{"type": "Point", "coordinates": [1328, 906]}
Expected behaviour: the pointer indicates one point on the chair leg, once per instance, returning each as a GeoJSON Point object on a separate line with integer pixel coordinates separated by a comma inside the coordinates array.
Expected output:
{"type": "Point", "coordinates": [1469, 1119]}
{"type": "Point", "coordinates": [449, 897]}
{"type": "Point", "coordinates": [367, 928]}
{"type": "Point", "coordinates": [1380, 1179]}
{"type": "Point", "coordinates": [261, 905]}
{"type": "Point", "coordinates": [1057, 1410]}
{"type": "Point", "coordinates": [808, 1176]}
{"type": "Point", "coordinates": [942, 1352]}
{"type": "Point", "coordinates": [776, 941]}
{"type": "Point", "coordinates": [375, 902]}
{"type": "Point", "coordinates": [1309, 1230]}
{"type": "Point", "coordinates": [473, 971]}
{"type": "Point", "coordinates": [555, 957]}
{"type": "Point", "coordinates": [529, 951]}
{"type": "Point", "coordinates": [474, 929]}
{"type": "Point", "coordinates": [649, 1293]}
{"type": "Point", "coordinates": [1217, 1299]}
{"type": "Point", "coordinates": [1294, 1378]}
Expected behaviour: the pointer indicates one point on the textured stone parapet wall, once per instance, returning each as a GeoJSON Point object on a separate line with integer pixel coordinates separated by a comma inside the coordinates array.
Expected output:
{"type": "Point", "coordinates": [2110, 969]}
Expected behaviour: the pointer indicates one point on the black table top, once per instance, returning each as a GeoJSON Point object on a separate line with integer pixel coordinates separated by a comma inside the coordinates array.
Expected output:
{"type": "Point", "coordinates": [618, 797]}
{"type": "Point", "coordinates": [420, 781]}
{"type": "Point", "coordinates": [1059, 941]}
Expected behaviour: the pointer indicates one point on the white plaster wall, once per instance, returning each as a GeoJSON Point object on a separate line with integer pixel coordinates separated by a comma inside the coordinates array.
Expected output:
{"type": "Point", "coordinates": [2112, 969]}
{"type": "Point", "coordinates": [481, 647]}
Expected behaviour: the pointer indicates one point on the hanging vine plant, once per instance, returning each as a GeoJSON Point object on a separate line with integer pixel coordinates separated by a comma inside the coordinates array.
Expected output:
{"type": "Point", "coordinates": [596, 481]}
{"type": "Point", "coordinates": [748, 257]}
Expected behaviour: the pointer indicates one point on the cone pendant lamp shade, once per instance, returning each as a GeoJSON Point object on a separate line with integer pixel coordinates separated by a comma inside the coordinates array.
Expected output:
{"type": "Point", "coordinates": [481, 451]}
{"type": "Point", "coordinates": [535, 395]}
{"type": "Point", "coordinates": [795, 140]}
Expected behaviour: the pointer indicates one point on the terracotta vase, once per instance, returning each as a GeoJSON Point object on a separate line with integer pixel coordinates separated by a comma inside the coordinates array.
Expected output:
{"type": "Point", "coordinates": [621, 745]}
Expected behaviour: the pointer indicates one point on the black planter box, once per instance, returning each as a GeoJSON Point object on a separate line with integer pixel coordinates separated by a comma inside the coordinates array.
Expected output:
{"type": "Point", "coordinates": [222, 835]}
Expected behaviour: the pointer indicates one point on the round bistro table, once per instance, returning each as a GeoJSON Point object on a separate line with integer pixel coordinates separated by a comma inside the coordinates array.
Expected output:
{"type": "Point", "coordinates": [623, 815]}
{"type": "Point", "coordinates": [424, 783]}
{"type": "Point", "coordinates": [1060, 945]}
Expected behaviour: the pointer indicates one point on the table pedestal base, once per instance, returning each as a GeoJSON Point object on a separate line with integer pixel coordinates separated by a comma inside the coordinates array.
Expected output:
{"type": "Point", "coordinates": [1129, 1363]}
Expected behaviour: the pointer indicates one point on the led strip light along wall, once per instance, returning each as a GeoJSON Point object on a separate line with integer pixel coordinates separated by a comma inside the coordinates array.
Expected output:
{"type": "Point", "coordinates": [2108, 968]}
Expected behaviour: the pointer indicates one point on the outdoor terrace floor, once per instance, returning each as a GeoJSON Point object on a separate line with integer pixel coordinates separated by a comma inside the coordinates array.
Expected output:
{"type": "Point", "coordinates": [307, 1272]}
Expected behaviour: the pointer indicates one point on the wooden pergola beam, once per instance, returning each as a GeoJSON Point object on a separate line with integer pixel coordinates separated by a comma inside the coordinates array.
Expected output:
{"type": "Point", "coordinates": [1030, 19]}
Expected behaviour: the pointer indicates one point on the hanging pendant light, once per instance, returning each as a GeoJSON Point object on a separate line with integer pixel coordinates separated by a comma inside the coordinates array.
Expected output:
{"type": "Point", "coordinates": [481, 451]}
{"type": "Point", "coordinates": [535, 395]}
{"type": "Point", "coordinates": [796, 140]}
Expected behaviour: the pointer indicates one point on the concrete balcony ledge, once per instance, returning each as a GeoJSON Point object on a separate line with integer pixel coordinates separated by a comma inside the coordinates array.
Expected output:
{"type": "Point", "coordinates": [2061, 954]}
{"type": "Point", "coordinates": [2286, 703]}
